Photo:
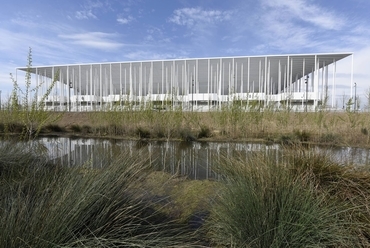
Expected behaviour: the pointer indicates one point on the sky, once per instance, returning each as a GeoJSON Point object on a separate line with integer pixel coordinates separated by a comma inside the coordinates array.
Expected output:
{"type": "Point", "coordinates": [93, 31]}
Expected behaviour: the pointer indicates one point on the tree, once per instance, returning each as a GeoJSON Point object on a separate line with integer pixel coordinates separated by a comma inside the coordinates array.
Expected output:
{"type": "Point", "coordinates": [26, 109]}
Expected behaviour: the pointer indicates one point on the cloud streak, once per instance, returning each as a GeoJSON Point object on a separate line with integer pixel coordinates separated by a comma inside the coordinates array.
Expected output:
{"type": "Point", "coordinates": [125, 20]}
{"type": "Point", "coordinates": [97, 40]}
{"type": "Point", "coordinates": [306, 11]}
{"type": "Point", "coordinates": [191, 16]}
{"type": "Point", "coordinates": [85, 14]}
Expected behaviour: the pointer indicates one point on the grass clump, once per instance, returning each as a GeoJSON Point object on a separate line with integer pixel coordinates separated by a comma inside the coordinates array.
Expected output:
{"type": "Point", "coordinates": [53, 128]}
{"type": "Point", "coordinates": [330, 138]}
{"type": "Point", "coordinates": [142, 132]}
{"type": "Point", "coordinates": [76, 128]}
{"type": "Point", "coordinates": [186, 135]}
{"type": "Point", "coordinates": [265, 202]}
{"type": "Point", "coordinates": [45, 205]}
{"type": "Point", "coordinates": [85, 129]}
{"type": "Point", "coordinates": [302, 135]}
{"type": "Point", "coordinates": [204, 132]}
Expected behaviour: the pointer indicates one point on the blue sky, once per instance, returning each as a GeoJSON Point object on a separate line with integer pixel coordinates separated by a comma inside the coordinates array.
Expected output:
{"type": "Point", "coordinates": [83, 31]}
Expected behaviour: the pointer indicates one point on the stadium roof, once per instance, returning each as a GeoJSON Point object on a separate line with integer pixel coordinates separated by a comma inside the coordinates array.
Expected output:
{"type": "Point", "coordinates": [299, 65]}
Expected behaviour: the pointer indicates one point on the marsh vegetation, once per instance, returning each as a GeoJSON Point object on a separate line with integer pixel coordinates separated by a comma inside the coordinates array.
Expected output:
{"type": "Point", "coordinates": [301, 199]}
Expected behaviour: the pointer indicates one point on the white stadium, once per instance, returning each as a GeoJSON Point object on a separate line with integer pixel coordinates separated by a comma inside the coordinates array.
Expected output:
{"type": "Point", "coordinates": [302, 82]}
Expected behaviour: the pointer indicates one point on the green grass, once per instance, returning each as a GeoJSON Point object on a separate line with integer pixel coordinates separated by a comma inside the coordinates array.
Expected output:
{"type": "Point", "coordinates": [297, 201]}
{"type": "Point", "coordinates": [45, 205]}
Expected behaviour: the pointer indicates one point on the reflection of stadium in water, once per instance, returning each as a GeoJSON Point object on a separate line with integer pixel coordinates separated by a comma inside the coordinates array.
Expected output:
{"type": "Point", "coordinates": [194, 159]}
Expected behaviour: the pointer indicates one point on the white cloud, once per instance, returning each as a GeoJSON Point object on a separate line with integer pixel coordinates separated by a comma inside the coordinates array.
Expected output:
{"type": "Point", "coordinates": [97, 40]}
{"type": "Point", "coordinates": [233, 50]}
{"type": "Point", "coordinates": [306, 11]}
{"type": "Point", "coordinates": [90, 8]}
{"type": "Point", "coordinates": [149, 55]}
{"type": "Point", "coordinates": [85, 14]}
{"type": "Point", "coordinates": [301, 25]}
{"type": "Point", "coordinates": [125, 20]}
{"type": "Point", "coordinates": [191, 16]}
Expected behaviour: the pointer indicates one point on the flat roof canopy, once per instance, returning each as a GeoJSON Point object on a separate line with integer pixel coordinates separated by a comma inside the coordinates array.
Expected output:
{"type": "Point", "coordinates": [299, 64]}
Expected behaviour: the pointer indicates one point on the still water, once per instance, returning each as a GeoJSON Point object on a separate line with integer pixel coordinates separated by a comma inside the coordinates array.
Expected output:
{"type": "Point", "coordinates": [193, 159]}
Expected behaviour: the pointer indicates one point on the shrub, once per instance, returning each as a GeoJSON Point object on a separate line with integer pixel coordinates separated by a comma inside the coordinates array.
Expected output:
{"type": "Point", "coordinates": [186, 135]}
{"type": "Point", "coordinates": [14, 127]}
{"type": "Point", "coordinates": [86, 129]}
{"type": "Point", "coordinates": [204, 132]}
{"type": "Point", "coordinates": [76, 128]}
{"type": "Point", "coordinates": [142, 133]}
{"type": "Point", "coordinates": [364, 131]}
{"type": "Point", "coordinates": [330, 138]}
{"type": "Point", "coordinates": [287, 140]}
{"type": "Point", "coordinates": [302, 135]}
{"type": "Point", "coordinates": [54, 128]}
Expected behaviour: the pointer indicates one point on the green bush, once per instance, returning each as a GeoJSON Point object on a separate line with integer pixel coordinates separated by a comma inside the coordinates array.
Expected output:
{"type": "Point", "coordinates": [204, 132]}
{"type": "Point", "coordinates": [142, 132]}
{"type": "Point", "coordinates": [330, 138]}
{"type": "Point", "coordinates": [364, 131]}
{"type": "Point", "coordinates": [187, 135]}
{"type": "Point", "coordinates": [302, 135]}
{"type": "Point", "coordinates": [86, 129]}
{"type": "Point", "coordinates": [76, 128]}
{"type": "Point", "coordinates": [53, 128]}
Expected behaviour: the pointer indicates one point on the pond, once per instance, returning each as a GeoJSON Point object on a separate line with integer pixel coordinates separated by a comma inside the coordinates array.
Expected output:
{"type": "Point", "coordinates": [193, 159]}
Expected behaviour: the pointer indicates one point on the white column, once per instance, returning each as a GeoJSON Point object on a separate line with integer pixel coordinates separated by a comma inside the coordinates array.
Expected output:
{"type": "Point", "coordinates": [333, 86]}
{"type": "Point", "coordinates": [248, 79]}
{"type": "Point", "coordinates": [279, 83]}
{"type": "Point", "coordinates": [131, 88]}
{"type": "Point", "coordinates": [91, 88]}
{"type": "Point", "coordinates": [110, 80]}
{"type": "Point", "coordinates": [120, 85]}
{"type": "Point", "coordinates": [208, 82]}
{"type": "Point", "coordinates": [151, 77]}
{"type": "Point", "coordinates": [316, 83]}
{"type": "Point", "coordinates": [79, 92]}
{"type": "Point", "coordinates": [69, 90]}
{"type": "Point", "coordinates": [61, 98]}
{"type": "Point", "coordinates": [162, 78]}
{"type": "Point", "coordinates": [265, 83]}
{"type": "Point", "coordinates": [101, 87]}
{"type": "Point", "coordinates": [241, 79]}
{"type": "Point", "coordinates": [352, 75]}
{"type": "Point", "coordinates": [51, 96]}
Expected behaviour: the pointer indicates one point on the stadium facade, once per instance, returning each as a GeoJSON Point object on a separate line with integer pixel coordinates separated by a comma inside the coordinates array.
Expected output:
{"type": "Point", "coordinates": [300, 81]}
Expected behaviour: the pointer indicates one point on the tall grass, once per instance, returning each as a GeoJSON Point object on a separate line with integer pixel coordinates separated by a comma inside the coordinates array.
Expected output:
{"type": "Point", "coordinates": [233, 121]}
{"type": "Point", "coordinates": [46, 205]}
{"type": "Point", "coordinates": [303, 200]}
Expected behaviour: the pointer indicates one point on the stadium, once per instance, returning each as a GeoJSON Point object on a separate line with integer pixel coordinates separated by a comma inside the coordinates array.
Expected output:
{"type": "Point", "coordinates": [302, 82]}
